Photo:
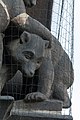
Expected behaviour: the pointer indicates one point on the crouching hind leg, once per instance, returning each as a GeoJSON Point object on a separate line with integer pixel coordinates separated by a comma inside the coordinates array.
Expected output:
{"type": "Point", "coordinates": [60, 93]}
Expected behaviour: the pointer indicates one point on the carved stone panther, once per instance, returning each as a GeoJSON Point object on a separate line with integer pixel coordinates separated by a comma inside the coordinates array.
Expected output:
{"type": "Point", "coordinates": [55, 71]}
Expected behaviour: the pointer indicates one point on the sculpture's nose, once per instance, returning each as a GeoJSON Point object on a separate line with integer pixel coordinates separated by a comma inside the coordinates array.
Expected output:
{"type": "Point", "coordinates": [31, 73]}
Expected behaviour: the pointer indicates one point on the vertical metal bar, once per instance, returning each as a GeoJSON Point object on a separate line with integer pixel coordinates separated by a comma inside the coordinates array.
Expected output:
{"type": "Point", "coordinates": [60, 18]}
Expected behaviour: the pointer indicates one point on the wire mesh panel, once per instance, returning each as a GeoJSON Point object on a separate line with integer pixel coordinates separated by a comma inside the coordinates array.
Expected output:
{"type": "Point", "coordinates": [63, 27]}
{"type": "Point", "coordinates": [62, 23]}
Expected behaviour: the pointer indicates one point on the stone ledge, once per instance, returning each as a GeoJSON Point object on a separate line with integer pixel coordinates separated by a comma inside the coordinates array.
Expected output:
{"type": "Point", "coordinates": [54, 117]}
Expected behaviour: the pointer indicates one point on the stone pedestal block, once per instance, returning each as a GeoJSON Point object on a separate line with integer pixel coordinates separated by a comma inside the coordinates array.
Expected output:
{"type": "Point", "coordinates": [50, 105]}
{"type": "Point", "coordinates": [34, 111]}
{"type": "Point", "coordinates": [54, 117]}
{"type": "Point", "coordinates": [47, 110]}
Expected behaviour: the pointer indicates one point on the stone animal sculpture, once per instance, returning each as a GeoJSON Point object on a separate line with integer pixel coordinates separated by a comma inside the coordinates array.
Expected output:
{"type": "Point", "coordinates": [55, 71]}
{"type": "Point", "coordinates": [14, 11]}
{"type": "Point", "coordinates": [27, 54]}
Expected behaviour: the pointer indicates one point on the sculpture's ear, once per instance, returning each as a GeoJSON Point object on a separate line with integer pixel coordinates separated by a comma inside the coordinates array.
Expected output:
{"type": "Point", "coordinates": [25, 37]}
{"type": "Point", "coordinates": [46, 44]}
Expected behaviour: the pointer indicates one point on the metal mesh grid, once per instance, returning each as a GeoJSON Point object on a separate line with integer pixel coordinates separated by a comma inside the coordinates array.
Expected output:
{"type": "Point", "coordinates": [63, 28]}
{"type": "Point", "coordinates": [62, 24]}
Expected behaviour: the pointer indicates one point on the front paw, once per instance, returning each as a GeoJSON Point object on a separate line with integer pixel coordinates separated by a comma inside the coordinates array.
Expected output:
{"type": "Point", "coordinates": [35, 97]}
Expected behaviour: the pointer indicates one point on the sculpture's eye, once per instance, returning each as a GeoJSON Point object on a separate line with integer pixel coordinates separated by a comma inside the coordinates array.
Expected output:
{"type": "Point", "coordinates": [28, 54]}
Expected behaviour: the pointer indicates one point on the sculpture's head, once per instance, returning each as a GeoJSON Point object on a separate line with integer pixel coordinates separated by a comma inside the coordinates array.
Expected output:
{"type": "Point", "coordinates": [29, 52]}
{"type": "Point", "coordinates": [30, 3]}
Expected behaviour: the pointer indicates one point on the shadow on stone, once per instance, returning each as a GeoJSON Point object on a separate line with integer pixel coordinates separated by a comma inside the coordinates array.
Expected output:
{"type": "Point", "coordinates": [5, 101]}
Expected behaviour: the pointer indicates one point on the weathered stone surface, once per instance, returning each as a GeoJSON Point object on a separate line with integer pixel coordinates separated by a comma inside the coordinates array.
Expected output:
{"type": "Point", "coordinates": [50, 105]}
{"type": "Point", "coordinates": [5, 101]}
